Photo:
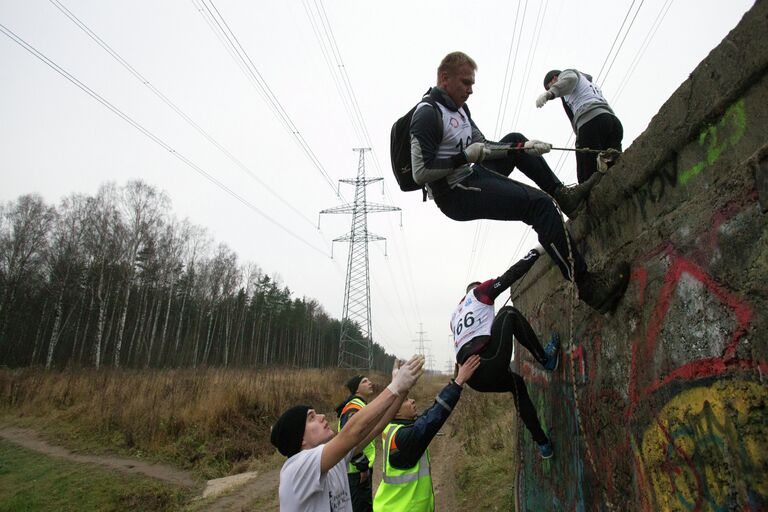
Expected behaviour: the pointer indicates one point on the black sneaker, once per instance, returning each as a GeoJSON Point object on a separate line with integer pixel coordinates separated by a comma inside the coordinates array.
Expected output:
{"type": "Point", "coordinates": [602, 291]}
{"type": "Point", "coordinates": [570, 198]}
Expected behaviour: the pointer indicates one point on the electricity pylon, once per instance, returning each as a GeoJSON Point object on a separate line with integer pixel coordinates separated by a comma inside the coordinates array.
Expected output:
{"type": "Point", "coordinates": [355, 338]}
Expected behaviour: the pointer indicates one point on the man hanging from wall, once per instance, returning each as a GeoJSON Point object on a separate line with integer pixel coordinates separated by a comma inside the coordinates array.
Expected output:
{"type": "Point", "coordinates": [466, 175]}
{"type": "Point", "coordinates": [360, 468]}
{"type": "Point", "coordinates": [593, 120]}
{"type": "Point", "coordinates": [406, 482]}
{"type": "Point", "coordinates": [476, 331]}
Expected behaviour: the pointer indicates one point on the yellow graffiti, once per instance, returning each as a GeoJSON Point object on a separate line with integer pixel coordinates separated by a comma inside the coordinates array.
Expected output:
{"type": "Point", "coordinates": [706, 450]}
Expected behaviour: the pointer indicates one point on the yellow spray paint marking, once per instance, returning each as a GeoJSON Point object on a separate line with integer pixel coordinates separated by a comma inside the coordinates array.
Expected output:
{"type": "Point", "coordinates": [706, 450]}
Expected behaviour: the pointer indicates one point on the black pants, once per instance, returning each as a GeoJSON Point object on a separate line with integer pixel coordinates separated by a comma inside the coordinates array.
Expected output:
{"type": "Point", "coordinates": [361, 493]}
{"type": "Point", "coordinates": [602, 132]}
{"type": "Point", "coordinates": [501, 198]}
{"type": "Point", "coordinates": [494, 374]}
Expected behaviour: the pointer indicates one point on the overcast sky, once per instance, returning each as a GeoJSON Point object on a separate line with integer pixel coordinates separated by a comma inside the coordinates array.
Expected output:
{"type": "Point", "coordinates": [56, 140]}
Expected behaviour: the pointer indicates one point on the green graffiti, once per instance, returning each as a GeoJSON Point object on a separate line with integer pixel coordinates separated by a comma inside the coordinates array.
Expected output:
{"type": "Point", "coordinates": [736, 119]}
{"type": "Point", "coordinates": [545, 463]}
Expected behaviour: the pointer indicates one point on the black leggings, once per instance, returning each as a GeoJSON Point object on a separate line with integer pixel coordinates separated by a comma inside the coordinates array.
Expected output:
{"type": "Point", "coordinates": [494, 374]}
{"type": "Point", "coordinates": [603, 132]}
{"type": "Point", "coordinates": [489, 194]}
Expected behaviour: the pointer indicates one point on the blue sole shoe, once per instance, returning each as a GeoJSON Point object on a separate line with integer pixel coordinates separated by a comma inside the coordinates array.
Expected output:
{"type": "Point", "coordinates": [546, 450]}
{"type": "Point", "coordinates": [552, 350]}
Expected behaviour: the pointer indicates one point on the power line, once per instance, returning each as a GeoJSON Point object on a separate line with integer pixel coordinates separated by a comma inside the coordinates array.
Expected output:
{"type": "Point", "coordinates": [483, 226]}
{"type": "Point", "coordinates": [255, 77]}
{"type": "Point", "coordinates": [327, 41]}
{"type": "Point", "coordinates": [610, 50]}
{"type": "Point", "coordinates": [643, 47]}
{"type": "Point", "coordinates": [562, 159]}
{"type": "Point", "coordinates": [154, 138]}
{"type": "Point", "coordinates": [503, 109]}
{"type": "Point", "coordinates": [622, 41]}
{"type": "Point", "coordinates": [106, 47]}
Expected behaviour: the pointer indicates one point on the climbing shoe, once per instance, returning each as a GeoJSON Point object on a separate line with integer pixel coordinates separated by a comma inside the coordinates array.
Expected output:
{"type": "Point", "coordinates": [570, 198]}
{"type": "Point", "coordinates": [602, 291]}
{"type": "Point", "coordinates": [552, 350]}
{"type": "Point", "coordinates": [546, 450]}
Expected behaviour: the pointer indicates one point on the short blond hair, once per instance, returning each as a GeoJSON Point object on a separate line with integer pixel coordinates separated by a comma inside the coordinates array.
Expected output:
{"type": "Point", "coordinates": [453, 61]}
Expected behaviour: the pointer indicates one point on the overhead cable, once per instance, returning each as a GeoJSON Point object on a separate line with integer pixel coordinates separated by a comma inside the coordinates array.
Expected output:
{"type": "Point", "coordinates": [106, 47]}
{"type": "Point", "coordinates": [221, 26]}
{"type": "Point", "coordinates": [154, 138]}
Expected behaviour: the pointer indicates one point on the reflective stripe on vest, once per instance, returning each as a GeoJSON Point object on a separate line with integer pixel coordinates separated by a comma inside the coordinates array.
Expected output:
{"type": "Point", "coordinates": [370, 448]}
{"type": "Point", "coordinates": [404, 489]}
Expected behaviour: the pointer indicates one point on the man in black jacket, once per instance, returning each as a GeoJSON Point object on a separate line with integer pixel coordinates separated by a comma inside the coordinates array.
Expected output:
{"type": "Point", "coordinates": [406, 483]}
{"type": "Point", "coordinates": [467, 176]}
{"type": "Point", "coordinates": [477, 331]}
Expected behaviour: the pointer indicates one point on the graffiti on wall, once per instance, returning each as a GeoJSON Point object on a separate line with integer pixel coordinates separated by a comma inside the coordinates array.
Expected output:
{"type": "Point", "coordinates": [685, 427]}
{"type": "Point", "coordinates": [711, 144]}
{"type": "Point", "coordinates": [705, 449]}
{"type": "Point", "coordinates": [718, 137]}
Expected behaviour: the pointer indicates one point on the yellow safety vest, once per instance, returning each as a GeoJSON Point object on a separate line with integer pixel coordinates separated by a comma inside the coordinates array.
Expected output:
{"type": "Point", "coordinates": [370, 449]}
{"type": "Point", "coordinates": [403, 489]}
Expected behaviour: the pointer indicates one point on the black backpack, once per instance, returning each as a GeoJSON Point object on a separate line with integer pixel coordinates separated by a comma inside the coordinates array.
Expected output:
{"type": "Point", "coordinates": [400, 148]}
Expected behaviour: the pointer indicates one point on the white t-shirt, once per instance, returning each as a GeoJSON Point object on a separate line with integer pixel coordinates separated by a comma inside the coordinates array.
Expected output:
{"type": "Point", "coordinates": [304, 488]}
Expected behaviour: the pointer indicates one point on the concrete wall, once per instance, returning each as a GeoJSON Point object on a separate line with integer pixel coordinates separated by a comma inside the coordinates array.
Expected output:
{"type": "Point", "coordinates": [664, 404]}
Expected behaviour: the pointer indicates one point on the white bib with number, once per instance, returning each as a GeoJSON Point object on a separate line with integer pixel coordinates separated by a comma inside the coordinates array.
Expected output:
{"type": "Point", "coordinates": [472, 318]}
{"type": "Point", "coordinates": [584, 94]}
{"type": "Point", "coordinates": [457, 132]}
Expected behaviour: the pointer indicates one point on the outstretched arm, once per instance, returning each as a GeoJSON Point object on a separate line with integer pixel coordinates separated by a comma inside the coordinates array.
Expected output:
{"type": "Point", "coordinates": [489, 290]}
{"type": "Point", "coordinates": [362, 424]}
{"type": "Point", "coordinates": [413, 440]}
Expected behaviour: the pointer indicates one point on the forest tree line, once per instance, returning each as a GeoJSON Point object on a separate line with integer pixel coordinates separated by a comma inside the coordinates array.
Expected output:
{"type": "Point", "coordinates": [116, 280]}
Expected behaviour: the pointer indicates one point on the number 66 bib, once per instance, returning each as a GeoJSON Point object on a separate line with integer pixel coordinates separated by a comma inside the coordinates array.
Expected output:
{"type": "Point", "coordinates": [472, 318]}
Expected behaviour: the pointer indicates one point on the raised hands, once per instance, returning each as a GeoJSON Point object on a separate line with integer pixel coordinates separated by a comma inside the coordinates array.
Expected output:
{"type": "Point", "coordinates": [405, 375]}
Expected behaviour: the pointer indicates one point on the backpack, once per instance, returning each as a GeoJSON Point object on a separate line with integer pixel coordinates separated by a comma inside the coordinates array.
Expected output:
{"type": "Point", "coordinates": [400, 148]}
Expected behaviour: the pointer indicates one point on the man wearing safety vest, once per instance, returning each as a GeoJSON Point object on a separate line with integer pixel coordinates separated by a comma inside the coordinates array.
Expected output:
{"type": "Point", "coordinates": [406, 483]}
{"type": "Point", "coordinates": [359, 470]}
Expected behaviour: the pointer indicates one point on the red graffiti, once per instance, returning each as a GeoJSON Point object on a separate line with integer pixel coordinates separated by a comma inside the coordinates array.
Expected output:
{"type": "Point", "coordinates": [696, 369]}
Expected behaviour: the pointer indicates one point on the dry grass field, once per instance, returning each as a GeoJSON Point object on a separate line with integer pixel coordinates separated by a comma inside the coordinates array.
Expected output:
{"type": "Point", "coordinates": [215, 422]}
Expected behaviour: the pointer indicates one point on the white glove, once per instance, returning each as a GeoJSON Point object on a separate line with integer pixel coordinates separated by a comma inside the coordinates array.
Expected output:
{"type": "Point", "coordinates": [476, 152]}
{"type": "Point", "coordinates": [396, 367]}
{"type": "Point", "coordinates": [602, 163]}
{"type": "Point", "coordinates": [536, 147]}
{"type": "Point", "coordinates": [407, 375]}
{"type": "Point", "coordinates": [542, 99]}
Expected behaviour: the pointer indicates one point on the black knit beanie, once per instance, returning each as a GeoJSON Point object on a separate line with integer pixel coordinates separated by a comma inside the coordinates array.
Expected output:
{"type": "Point", "coordinates": [354, 383]}
{"type": "Point", "coordinates": [549, 76]}
{"type": "Point", "coordinates": [288, 430]}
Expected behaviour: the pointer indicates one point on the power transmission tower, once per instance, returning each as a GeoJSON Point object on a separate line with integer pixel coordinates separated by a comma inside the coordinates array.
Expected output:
{"type": "Point", "coordinates": [420, 347]}
{"type": "Point", "coordinates": [355, 339]}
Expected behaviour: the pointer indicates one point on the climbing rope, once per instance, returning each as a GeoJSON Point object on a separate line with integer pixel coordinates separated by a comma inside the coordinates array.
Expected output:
{"type": "Point", "coordinates": [574, 298]}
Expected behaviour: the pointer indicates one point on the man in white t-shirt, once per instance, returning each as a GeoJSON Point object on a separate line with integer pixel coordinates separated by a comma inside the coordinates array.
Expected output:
{"type": "Point", "coordinates": [314, 478]}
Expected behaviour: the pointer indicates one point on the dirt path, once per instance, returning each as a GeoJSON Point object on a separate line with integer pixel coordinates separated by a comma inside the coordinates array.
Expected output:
{"type": "Point", "coordinates": [444, 452]}
{"type": "Point", "coordinates": [236, 493]}
{"type": "Point", "coordinates": [258, 494]}
{"type": "Point", "coordinates": [30, 440]}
